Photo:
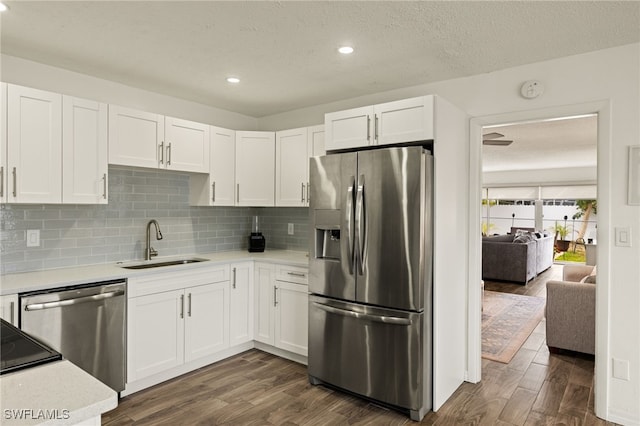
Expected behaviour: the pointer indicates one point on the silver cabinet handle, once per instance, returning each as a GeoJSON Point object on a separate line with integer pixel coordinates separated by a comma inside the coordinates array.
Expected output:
{"type": "Point", "coordinates": [238, 193]}
{"type": "Point", "coordinates": [182, 306]}
{"type": "Point", "coordinates": [12, 312]}
{"type": "Point", "coordinates": [234, 277]}
{"type": "Point", "coordinates": [104, 186]}
{"type": "Point", "coordinates": [76, 301]}
{"type": "Point", "coordinates": [308, 193]}
{"type": "Point", "coordinates": [161, 152]}
{"type": "Point", "coordinates": [2, 181]}
{"type": "Point", "coordinates": [359, 315]}
{"type": "Point", "coordinates": [15, 184]}
{"type": "Point", "coordinates": [213, 192]}
{"type": "Point", "coordinates": [368, 128]}
{"type": "Point", "coordinates": [375, 132]}
{"type": "Point", "coordinates": [275, 296]}
{"type": "Point", "coordinates": [297, 274]}
{"type": "Point", "coordinates": [169, 154]}
{"type": "Point", "coordinates": [302, 192]}
{"type": "Point", "coordinates": [189, 305]}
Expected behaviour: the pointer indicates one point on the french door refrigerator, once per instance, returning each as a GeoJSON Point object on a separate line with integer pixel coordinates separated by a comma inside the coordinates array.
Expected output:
{"type": "Point", "coordinates": [370, 264]}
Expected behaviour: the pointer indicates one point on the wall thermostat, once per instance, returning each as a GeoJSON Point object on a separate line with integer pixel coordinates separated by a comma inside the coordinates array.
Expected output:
{"type": "Point", "coordinates": [531, 89]}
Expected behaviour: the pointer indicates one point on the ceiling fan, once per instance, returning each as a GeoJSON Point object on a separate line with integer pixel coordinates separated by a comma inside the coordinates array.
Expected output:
{"type": "Point", "coordinates": [493, 139]}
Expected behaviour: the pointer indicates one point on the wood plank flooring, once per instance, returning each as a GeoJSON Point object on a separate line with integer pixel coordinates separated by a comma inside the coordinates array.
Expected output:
{"type": "Point", "coordinates": [256, 388]}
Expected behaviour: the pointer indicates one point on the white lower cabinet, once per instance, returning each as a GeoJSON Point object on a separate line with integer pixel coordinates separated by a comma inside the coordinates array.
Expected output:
{"type": "Point", "coordinates": [241, 303]}
{"type": "Point", "coordinates": [282, 307]}
{"type": "Point", "coordinates": [206, 326]}
{"type": "Point", "coordinates": [175, 318]}
{"type": "Point", "coordinates": [9, 308]}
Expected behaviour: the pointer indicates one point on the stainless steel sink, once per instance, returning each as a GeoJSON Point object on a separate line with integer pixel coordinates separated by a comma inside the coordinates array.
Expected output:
{"type": "Point", "coordinates": [159, 264]}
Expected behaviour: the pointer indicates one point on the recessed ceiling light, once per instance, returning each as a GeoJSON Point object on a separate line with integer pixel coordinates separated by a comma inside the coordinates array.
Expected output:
{"type": "Point", "coordinates": [345, 50]}
{"type": "Point", "coordinates": [233, 80]}
{"type": "Point", "coordinates": [3, 7]}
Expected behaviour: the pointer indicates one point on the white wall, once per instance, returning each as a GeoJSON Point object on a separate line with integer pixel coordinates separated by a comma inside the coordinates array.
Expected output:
{"type": "Point", "coordinates": [608, 76]}
{"type": "Point", "coordinates": [40, 76]}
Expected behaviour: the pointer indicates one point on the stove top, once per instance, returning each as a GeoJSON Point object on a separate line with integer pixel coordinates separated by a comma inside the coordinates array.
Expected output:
{"type": "Point", "coordinates": [19, 350]}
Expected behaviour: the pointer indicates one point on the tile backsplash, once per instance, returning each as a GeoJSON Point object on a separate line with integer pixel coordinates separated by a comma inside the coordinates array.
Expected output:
{"type": "Point", "coordinates": [73, 235]}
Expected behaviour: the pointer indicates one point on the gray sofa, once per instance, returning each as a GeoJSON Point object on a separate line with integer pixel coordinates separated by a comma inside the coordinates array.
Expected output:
{"type": "Point", "coordinates": [506, 260]}
{"type": "Point", "coordinates": [571, 311]}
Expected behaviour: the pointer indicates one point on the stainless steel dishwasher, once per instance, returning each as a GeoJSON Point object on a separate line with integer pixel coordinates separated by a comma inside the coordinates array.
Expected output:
{"type": "Point", "coordinates": [85, 323]}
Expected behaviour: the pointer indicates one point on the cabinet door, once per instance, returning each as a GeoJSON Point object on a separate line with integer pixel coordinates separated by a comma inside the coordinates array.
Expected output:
{"type": "Point", "coordinates": [348, 129]}
{"type": "Point", "coordinates": [292, 165]}
{"type": "Point", "coordinates": [3, 143]}
{"type": "Point", "coordinates": [206, 320]}
{"type": "Point", "coordinates": [223, 166]}
{"type": "Point", "coordinates": [264, 308]}
{"type": "Point", "coordinates": [9, 308]}
{"type": "Point", "coordinates": [136, 138]}
{"type": "Point", "coordinates": [155, 338]}
{"type": "Point", "coordinates": [255, 169]}
{"type": "Point", "coordinates": [291, 317]}
{"type": "Point", "coordinates": [407, 120]}
{"type": "Point", "coordinates": [241, 317]}
{"type": "Point", "coordinates": [316, 138]}
{"type": "Point", "coordinates": [186, 145]}
{"type": "Point", "coordinates": [34, 139]}
{"type": "Point", "coordinates": [84, 151]}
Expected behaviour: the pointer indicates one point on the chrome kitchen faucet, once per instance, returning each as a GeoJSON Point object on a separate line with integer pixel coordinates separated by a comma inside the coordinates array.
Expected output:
{"type": "Point", "coordinates": [150, 251]}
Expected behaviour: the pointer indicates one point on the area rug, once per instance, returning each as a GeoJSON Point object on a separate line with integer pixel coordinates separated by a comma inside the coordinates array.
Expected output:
{"type": "Point", "coordinates": [507, 321]}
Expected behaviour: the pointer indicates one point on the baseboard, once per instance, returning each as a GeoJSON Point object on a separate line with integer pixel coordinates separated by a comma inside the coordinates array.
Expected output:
{"type": "Point", "coordinates": [301, 359]}
{"type": "Point", "coordinates": [622, 417]}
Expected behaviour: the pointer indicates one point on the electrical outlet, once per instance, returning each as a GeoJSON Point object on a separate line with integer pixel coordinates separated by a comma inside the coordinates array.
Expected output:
{"type": "Point", "coordinates": [33, 238]}
{"type": "Point", "coordinates": [290, 229]}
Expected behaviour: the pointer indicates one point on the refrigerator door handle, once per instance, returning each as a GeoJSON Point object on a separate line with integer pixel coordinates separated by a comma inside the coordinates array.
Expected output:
{"type": "Point", "coordinates": [360, 224]}
{"type": "Point", "coordinates": [360, 315]}
{"type": "Point", "coordinates": [350, 219]}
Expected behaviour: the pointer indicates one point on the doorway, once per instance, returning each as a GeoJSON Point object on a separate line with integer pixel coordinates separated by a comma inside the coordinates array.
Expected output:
{"type": "Point", "coordinates": [602, 109]}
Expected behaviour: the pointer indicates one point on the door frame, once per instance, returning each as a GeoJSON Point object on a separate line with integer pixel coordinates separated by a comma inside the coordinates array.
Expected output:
{"type": "Point", "coordinates": [474, 342]}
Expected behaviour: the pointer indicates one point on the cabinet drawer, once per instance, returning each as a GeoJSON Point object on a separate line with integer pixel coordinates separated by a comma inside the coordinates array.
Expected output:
{"type": "Point", "coordinates": [293, 274]}
{"type": "Point", "coordinates": [167, 281]}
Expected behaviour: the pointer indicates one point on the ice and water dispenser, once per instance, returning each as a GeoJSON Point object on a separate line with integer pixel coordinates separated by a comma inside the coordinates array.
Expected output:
{"type": "Point", "coordinates": [327, 234]}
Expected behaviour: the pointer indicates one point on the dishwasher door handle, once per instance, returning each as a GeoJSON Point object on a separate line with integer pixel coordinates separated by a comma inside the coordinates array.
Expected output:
{"type": "Point", "coordinates": [77, 301]}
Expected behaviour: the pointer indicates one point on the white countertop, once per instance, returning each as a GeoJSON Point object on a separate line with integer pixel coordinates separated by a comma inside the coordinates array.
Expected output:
{"type": "Point", "coordinates": [52, 278]}
{"type": "Point", "coordinates": [57, 390]}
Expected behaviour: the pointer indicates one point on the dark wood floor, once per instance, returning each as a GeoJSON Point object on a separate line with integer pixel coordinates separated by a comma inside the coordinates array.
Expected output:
{"type": "Point", "coordinates": [255, 388]}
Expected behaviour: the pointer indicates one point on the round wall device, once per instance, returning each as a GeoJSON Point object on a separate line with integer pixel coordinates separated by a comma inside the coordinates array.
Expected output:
{"type": "Point", "coordinates": [531, 89]}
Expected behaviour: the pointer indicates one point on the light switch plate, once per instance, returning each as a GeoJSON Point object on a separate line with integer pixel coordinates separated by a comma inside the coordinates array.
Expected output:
{"type": "Point", "coordinates": [33, 238]}
{"type": "Point", "coordinates": [620, 369]}
{"type": "Point", "coordinates": [623, 237]}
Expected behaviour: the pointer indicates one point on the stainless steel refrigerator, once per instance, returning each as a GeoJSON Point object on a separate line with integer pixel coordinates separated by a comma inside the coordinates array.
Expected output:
{"type": "Point", "coordinates": [370, 261]}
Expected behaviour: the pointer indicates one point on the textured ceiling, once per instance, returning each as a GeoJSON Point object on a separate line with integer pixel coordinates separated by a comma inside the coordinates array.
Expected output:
{"type": "Point", "coordinates": [285, 52]}
{"type": "Point", "coordinates": [551, 144]}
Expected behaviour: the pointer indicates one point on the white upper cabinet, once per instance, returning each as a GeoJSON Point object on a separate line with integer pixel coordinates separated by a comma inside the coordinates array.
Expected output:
{"type": "Point", "coordinates": [84, 151]}
{"type": "Point", "coordinates": [255, 169]}
{"type": "Point", "coordinates": [348, 129]}
{"type": "Point", "coordinates": [144, 139]}
{"type": "Point", "coordinates": [407, 120]}
{"type": "Point", "coordinates": [218, 188]}
{"type": "Point", "coordinates": [186, 146]}
{"type": "Point", "coordinates": [223, 166]}
{"type": "Point", "coordinates": [3, 143]}
{"type": "Point", "coordinates": [316, 138]}
{"type": "Point", "coordinates": [34, 145]}
{"type": "Point", "coordinates": [135, 137]}
{"type": "Point", "coordinates": [292, 167]}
